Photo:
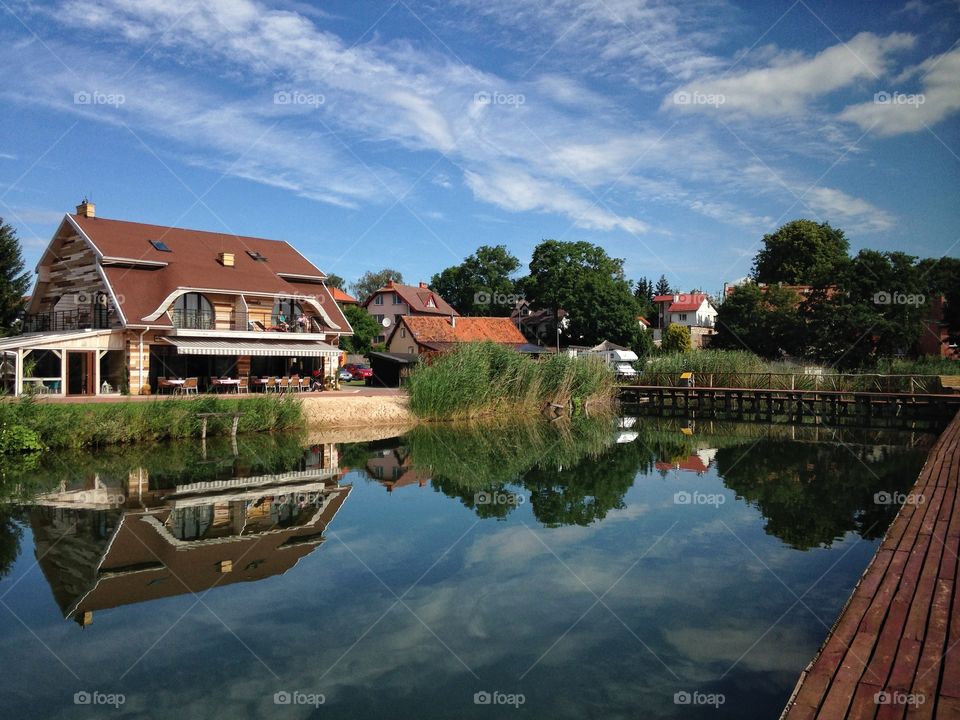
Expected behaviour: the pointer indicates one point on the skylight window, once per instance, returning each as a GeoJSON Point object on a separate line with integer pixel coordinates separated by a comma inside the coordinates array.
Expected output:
{"type": "Point", "coordinates": [256, 256]}
{"type": "Point", "coordinates": [160, 245]}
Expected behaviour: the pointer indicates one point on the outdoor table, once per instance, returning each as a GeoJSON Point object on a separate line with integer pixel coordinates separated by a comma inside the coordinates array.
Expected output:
{"type": "Point", "coordinates": [228, 383]}
{"type": "Point", "coordinates": [175, 384]}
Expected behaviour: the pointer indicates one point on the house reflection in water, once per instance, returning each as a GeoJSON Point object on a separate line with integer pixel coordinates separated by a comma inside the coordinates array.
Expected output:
{"type": "Point", "coordinates": [699, 462]}
{"type": "Point", "coordinates": [393, 468]}
{"type": "Point", "coordinates": [103, 547]}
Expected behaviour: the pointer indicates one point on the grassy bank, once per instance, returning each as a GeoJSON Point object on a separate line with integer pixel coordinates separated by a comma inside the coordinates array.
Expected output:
{"type": "Point", "coordinates": [484, 379]}
{"type": "Point", "coordinates": [28, 425]}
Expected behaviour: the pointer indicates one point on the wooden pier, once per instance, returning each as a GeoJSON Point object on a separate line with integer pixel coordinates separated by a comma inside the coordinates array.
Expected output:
{"type": "Point", "coordinates": [894, 652]}
{"type": "Point", "coordinates": [794, 405]}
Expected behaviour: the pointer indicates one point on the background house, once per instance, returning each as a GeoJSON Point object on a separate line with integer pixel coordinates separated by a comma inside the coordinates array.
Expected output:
{"type": "Point", "coordinates": [692, 310]}
{"type": "Point", "coordinates": [425, 335]}
{"type": "Point", "coordinates": [394, 301]}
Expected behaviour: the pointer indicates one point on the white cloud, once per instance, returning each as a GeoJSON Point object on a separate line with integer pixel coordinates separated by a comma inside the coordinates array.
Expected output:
{"type": "Point", "coordinates": [894, 111]}
{"type": "Point", "coordinates": [851, 213]}
{"type": "Point", "coordinates": [791, 81]}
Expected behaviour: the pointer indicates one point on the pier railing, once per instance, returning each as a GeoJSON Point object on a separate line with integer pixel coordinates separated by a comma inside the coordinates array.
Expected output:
{"type": "Point", "coordinates": [844, 382]}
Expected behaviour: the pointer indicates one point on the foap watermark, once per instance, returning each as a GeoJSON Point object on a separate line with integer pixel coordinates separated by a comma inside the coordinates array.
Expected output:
{"type": "Point", "coordinates": [698, 498]}
{"type": "Point", "coordinates": [297, 97]}
{"type": "Point", "coordinates": [499, 698]}
{"type": "Point", "coordinates": [898, 498]}
{"type": "Point", "coordinates": [96, 697]}
{"type": "Point", "coordinates": [298, 697]}
{"type": "Point", "coordinates": [898, 298]}
{"type": "Point", "coordinates": [498, 498]}
{"type": "Point", "coordinates": [102, 496]}
{"type": "Point", "coordinates": [95, 97]}
{"type": "Point", "coordinates": [685, 97]}
{"type": "Point", "coordinates": [695, 697]}
{"type": "Point", "coordinates": [898, 98]}
{"type": "Point", "coordinates": [897, 697]}
{"type": "Point", "coordinates": [496, 298]}
{"type": "Point", "coordinates": [494, 97]}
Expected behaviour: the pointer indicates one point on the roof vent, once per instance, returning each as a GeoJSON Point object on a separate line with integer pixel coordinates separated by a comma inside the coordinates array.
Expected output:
{"type": "Point", "coordinates": [225, 259]}
{"type": "Point", "coordinates": [86, 209]}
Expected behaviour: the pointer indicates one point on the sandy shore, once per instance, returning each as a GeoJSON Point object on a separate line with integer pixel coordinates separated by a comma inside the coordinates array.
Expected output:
{"type": "Point", "coordinates": [380, 413]}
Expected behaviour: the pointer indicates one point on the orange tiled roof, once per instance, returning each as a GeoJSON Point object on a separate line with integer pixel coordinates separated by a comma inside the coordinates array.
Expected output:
{"type": "Point", "coordinates": [426, 329]}
{"type": "Point", "coordinates": [341, 297]}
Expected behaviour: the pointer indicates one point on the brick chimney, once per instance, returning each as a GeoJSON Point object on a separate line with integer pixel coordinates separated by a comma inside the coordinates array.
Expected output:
{"type": "Point", "coordinates": [390, 284]}
{"type": "Point", "coordinates": [423, 286]}
{"type": "Point", "coordinates": [86, 209]}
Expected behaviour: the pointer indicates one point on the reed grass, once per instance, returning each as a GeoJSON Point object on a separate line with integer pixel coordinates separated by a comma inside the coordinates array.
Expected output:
{"type": "Point", "coordinates": [485, 379]}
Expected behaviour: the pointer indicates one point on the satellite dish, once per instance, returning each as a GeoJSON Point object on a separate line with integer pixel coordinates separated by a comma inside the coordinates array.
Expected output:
{"type": "Point", "coordinates": [386, 322]}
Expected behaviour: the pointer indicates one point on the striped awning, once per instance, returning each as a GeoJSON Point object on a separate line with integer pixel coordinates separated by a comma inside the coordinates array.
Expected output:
{"type": "Point", "coordinates": [204, 346]}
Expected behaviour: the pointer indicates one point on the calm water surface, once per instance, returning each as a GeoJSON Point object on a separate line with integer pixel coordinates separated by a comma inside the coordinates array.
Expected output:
{"type": "Point", "coordinates": [631, 570]}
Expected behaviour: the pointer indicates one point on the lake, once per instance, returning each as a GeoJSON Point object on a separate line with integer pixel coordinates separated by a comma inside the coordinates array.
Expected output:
{"type": "Point", "coordinates": [630, 568]}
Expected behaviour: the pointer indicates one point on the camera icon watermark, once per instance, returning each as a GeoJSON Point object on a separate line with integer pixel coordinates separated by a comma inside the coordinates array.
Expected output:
{"type": "Point", "coordinates": [695, 697]}
{"type": "Point", "coordinates": [898, 98]}
{"type": "Point", "coordinates": [496, 298]}
{"type": "Point", "coordinates": [96, 697]}
{"type": "Point", "coordinates": [898, 298]}
{"type": "Point", "coordinates": [898, 697]}
{"type": "Point", "coordinates": [685, 97]}
{"type": "Point", "coordinates": [498, 498]}
{"type": "Point", "coordinates": [298, 697]}
{"type": "Point", "coordinates": [898, 498]}
{"type": "Point", "coordinates": [95, 97]}
{"type": "Point", "coordinates": [496, 697]}
{"type": "Point", "coordinates": [296, 97]}
{"type": "Point", "coordinates": [698, 498]}
{"type": "Point", "coordinates": [495, 97]}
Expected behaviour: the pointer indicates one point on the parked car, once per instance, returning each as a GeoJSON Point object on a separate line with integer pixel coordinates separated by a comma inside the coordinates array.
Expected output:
{"type": "Point", "coordinates": [345, 375]}
{"type": "Point", "coordinates": [359, 372]}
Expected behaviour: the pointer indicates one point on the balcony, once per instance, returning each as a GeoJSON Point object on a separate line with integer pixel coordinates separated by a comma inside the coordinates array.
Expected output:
{"type": "Point", "coordinates": [68, 320]}
{"type": "Point", "coordinates": [241, 322]}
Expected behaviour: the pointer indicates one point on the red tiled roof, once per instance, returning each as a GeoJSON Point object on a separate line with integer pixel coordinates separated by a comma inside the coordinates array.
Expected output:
{"type": "Point", "coordinates": [687, 302]}
{"type": "Point", "coordinates": [431, 330]}
{"type": "Point", "coordinates": [417, 299]}
{"type": "Point", "coordinates": [341, 297]}
{"type": "Point", "coordinates": [192, 263]}
{"type": "Point", "coordinates": [693, 463]}
{"type": "Point", "coordinates": [663, 298]}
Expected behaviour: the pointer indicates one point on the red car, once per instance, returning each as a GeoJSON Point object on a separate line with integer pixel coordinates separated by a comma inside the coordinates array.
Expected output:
{"type": "Point", "coordinates": [359, 372]}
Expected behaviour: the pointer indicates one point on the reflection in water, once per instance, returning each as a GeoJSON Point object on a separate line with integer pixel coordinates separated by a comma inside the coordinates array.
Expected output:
{"type": "Point", "coordinates": [577, 510]}
{"type": "Point", "coordinates": [107, 538]}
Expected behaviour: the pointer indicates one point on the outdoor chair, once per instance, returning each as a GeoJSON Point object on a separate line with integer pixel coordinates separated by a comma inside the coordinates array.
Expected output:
{"type": "Point", "coordinates": [190, 386]}
{"type": "Point", "coordinates": [284, 384]}
{"type": "Point", "coordinates": [270, 384]}
{"type": "Point", "coordinates": [244, 385]}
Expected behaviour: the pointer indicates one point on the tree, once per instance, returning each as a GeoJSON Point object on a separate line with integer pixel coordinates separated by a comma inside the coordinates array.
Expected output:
{"type": "Point", "coordinates": [765, 321]}
{"type": "Point", "coordinates": [335, 281]}
{"type": "Point", "coordinates": [14, 282]}
{"type": "Point", "coordinates": [643, 344]}
{"type": "Point", "coordinates": [676, 339]}
{"type": "Point", "coordinates": [663, 286]}
{"type": "Point", "coordinates": [365, 329]}
{"type": "Point", "coordinates": [371, 281]}
{"type": "Point", "coordinates": [481, 284]}
{"type": "Point", "coordinates": [644, 295]}
{"type": "Point", "coordinates": [801, 252]}
{"type": "Point", "coordinates": [589, 285]}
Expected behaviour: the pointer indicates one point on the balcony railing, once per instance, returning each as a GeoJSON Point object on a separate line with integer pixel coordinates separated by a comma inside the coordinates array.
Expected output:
{"type": "Point", "coordinates": [65, 320]}
{"type": "Point", "coordinates": [202, 320]}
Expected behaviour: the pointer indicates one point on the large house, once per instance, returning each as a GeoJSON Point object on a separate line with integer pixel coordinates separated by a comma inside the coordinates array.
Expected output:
{"type": "Point", "coordinates": [394, 301]}
{"type": "Point", "coordinates": [539, 326]}
{"type": "Point", "coordinates": [422, 335]}
{"type": "Point", "coordinates": [118, 305]}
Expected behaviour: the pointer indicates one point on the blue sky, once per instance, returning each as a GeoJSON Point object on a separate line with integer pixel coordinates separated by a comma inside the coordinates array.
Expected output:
{"type": "Point", "coordinates": [406, 134]}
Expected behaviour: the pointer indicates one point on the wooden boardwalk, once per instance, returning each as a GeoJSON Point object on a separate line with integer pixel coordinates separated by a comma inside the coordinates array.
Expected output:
{"type": "Point", "coordinates": [894, 652]}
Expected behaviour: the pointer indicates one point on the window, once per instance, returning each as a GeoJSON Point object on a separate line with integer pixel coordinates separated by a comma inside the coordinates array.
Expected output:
{"type": "Point", "coordinates": [403, 332]}
{"type": "Point", "coordinates": [683, 317]}
{"type": "Point", "coordinates": [378, 318]}
{"type": "Point", "coordinates": [160, 245]}
{"type": "Point", "coordinates": [193, 312]}
{"type": "Point", "coordinates": [396, 299]}
{"type": "Point", "coordinates": [256, 256]}
{"type": "Point", "coordinates": [431, 303]}
{"type": "Point", "coordinates": [285, 311]}
{"type": "Point", "coordinates": [378, 300]}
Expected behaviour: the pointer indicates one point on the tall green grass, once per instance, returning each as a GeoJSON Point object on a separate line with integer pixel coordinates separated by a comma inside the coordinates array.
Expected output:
{"type": "Point", "coordinates": [69, 425]}
{"type": "Point", "coordinates": [483, 379]}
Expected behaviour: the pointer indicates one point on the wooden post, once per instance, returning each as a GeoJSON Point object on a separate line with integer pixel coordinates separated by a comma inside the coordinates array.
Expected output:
{"type": "Point", "coordinates": [203, 430]}
{"type": "Point", "coordinates": [236, 421]}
